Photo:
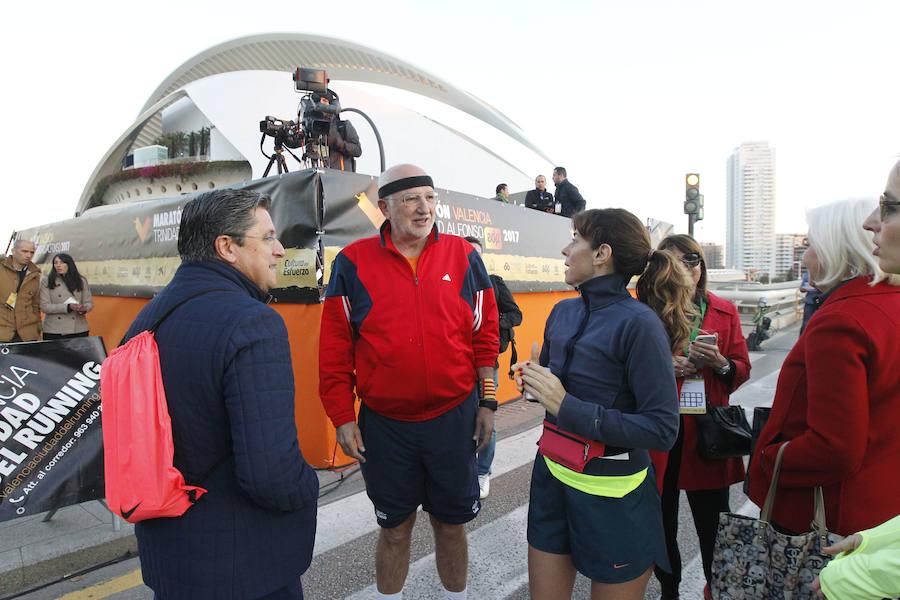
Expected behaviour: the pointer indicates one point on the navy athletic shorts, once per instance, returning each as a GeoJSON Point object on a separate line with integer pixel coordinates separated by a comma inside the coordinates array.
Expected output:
{"type": "Point", "coordinates": [429, 463]}
{"type": "Point", "coordinates": [611, 540]}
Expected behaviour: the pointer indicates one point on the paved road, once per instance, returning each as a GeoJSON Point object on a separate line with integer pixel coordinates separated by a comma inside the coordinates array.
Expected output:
{"type": "Point", "coordinates": [343, 565]}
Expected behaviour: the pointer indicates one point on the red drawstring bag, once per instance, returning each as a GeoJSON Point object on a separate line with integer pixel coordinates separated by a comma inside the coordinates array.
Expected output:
{"type": "Point", "coordinates": [141, 481]}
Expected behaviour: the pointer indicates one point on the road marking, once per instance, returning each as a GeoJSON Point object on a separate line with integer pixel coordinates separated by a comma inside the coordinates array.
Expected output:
{"type": "Point", "coordinates": [346, 519]}
{"type": "Point", "coordinates": [489, 576]}
{"type": "Point", "coordinates": [104, 590]}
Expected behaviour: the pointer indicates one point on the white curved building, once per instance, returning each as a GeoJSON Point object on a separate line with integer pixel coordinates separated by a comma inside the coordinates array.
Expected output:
{"type": "Point", "coordinates": [464, 143]}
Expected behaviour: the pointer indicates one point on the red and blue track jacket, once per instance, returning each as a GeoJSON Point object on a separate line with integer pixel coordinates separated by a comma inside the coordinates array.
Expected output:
{"type": "Point", "coordinates": [408, 343]}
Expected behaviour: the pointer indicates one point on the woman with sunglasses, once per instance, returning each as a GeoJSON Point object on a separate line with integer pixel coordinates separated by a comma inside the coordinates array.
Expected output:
{"type": "Point", "coordinates": [838, 394]}
{"type": "Point", "coordinates": [718, 367]}
{"type": "Point", "coordinates": [606, 382]}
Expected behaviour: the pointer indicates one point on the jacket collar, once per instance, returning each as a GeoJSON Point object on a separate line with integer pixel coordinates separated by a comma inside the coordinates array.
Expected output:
{"type": "Point", "coordinates": [858, 286]}
{"type": "Point", "coordinates": [29, 268]}
{"type": "Point", "coordinates": [212, 272]}
{"type": "Point", "coordinates": [385, 235]}
{"type": "Point", "coordinates": [600, 291]}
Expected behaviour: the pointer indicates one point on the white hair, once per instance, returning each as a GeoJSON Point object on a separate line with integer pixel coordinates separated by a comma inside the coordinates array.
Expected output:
{"type": "Point", "coordinates": [843, 247]}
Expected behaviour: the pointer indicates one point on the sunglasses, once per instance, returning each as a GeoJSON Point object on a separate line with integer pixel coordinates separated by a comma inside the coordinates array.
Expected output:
{"type": "Point", "coordinates": [888, 206]}
{"type": "Point", "coordinates": [691, 260]}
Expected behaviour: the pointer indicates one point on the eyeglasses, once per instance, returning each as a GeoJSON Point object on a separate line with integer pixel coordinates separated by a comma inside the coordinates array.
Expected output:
{"type": "Point", "coordinates": [430, 198]}
{"type": "Point", "coordinates": [269, 239]}
{"type": "Point", "coordinates": [691, 260]}
{"type": "Point", "coordinates": [888, 206]}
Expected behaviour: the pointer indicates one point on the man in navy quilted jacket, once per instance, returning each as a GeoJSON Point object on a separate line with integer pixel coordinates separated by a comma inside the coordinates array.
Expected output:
{"type": "Point", "coordinates": [226, 368]}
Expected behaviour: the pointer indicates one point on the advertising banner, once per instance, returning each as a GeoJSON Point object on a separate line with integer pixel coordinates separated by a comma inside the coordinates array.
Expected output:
{"type": "Point", "coordinates": [131, 249]}
{"type": "Point", "coordinates": [51, 444]}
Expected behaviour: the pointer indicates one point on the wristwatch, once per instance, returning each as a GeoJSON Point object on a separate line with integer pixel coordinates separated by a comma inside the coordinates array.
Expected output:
{"type": "Point", "coordinates": [724, 370]}
{"type": "Point", "coordinates": [491, 404]}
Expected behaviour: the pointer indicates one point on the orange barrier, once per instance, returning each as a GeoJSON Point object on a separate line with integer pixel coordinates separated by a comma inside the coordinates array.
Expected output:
{"type": "Point", "coordinates": [112, 316]}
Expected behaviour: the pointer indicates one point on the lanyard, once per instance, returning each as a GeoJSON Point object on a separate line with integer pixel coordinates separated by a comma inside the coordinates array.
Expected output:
{"type": "Point", "coordinates": [697, 323]}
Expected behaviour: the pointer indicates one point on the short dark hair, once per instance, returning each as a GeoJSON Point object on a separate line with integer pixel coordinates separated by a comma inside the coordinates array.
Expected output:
{"type": "Point", "coordinates": [560, 171]}
{"type": "Point", "coordinates": [215, 213]}
{"type": "Point", "coordinates": [474, 240]}
{"type": "Point", "coordinates": [500, 186]}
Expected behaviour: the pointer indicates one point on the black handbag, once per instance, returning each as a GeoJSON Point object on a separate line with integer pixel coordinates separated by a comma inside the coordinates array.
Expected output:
{"type": "Point", "coordinates": [723, 432]}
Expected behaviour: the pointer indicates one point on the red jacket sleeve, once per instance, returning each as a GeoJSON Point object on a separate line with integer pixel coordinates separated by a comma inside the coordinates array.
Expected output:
{"type": "Point", "coordinates": [486, 321]}
{"type": "Point", "coordinates": [337, 379]}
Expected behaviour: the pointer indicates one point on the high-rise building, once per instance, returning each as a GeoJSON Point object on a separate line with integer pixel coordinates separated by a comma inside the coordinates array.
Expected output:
{"type": "Point", "coordinates": [713, 254]}
{"type": "Point", "coordinates": [750, 242]}
{"type": "Point", "coordinates": [786, 255]}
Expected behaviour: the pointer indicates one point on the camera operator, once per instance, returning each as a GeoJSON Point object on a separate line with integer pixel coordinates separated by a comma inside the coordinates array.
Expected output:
{"type": "Point", "coordinates": [343, 141]}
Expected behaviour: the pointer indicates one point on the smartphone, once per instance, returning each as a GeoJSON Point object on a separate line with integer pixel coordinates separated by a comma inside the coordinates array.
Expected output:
{"type": "Point", "coordinates": [706, 339]}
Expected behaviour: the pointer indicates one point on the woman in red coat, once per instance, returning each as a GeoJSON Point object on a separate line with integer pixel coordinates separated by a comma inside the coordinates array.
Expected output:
{"type": "Point", "coordinates": [838, 394]}
{"type": "Point", "coordinates": [725, 366]}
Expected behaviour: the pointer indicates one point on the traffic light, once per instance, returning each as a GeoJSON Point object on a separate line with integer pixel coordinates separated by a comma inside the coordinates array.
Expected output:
{"type": "Point", "coordinates": [699, 215]}
{"type": "Point", "coordinates": [692, 198]}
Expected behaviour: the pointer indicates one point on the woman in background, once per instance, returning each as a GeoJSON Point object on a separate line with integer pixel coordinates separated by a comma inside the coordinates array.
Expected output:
{"type": "Point", "coordinates": [65, 299]}
{"type": "Point", "coordinates": [723, 367]}
{"type": "Point", "coordinates": [605, 378]}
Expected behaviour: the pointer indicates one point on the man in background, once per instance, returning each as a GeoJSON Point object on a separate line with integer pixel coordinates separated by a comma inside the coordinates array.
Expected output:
{"type": "Point", "coordinates": [502, 191]}
{"type": "Point", "coordinates": [20, 286]}
{"type": "Point", "coordinates": [567, 195]}
{"type": "Point", "coordinates": [509, 316]}
{"type": "Point", "coordinates": [539, 198]}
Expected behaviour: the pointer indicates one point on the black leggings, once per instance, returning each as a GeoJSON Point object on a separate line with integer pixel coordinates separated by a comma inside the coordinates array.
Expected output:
{"type": "Point", "coordinates": [705, 508]}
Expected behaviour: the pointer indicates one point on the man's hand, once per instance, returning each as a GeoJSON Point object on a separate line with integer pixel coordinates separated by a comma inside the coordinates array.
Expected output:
{"type": "Point", "coordinates": [484, 428]}
{"type": "Point", "coordinates": [350, 439]}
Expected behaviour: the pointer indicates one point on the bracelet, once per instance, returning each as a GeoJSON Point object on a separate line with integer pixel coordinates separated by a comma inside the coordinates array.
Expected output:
{"type": "Point", "coordinates": [487, 394]}
{"type": "Point", "coordinates": [724, 370]}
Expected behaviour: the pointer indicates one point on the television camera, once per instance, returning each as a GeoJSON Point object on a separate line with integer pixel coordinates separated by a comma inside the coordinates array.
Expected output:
{"type": "Point", "coordinates": [318, 107]}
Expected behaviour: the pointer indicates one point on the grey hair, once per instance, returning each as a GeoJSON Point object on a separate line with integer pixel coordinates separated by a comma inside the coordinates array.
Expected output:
{"type": "Point", "coordinates": [18, 243]}
{"type": "Point", "coordinates": [215, 213]}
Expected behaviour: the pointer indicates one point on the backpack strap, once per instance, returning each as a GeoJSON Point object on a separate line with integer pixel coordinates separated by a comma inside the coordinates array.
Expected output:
{"type": "Point", "coordinates": [513, 355]}
{"type": "Point", "coordinates": [156, 325]}
{"type": "Point", "coordinates": [192, 494]}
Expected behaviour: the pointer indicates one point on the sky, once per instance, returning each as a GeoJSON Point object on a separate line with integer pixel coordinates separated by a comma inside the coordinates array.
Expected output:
{"type": "Point", "coordinates": [628, 96]}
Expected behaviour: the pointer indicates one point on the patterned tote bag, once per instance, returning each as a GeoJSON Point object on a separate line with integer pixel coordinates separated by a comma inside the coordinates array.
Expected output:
{"type": "Point", "coordinates": [752, 561]}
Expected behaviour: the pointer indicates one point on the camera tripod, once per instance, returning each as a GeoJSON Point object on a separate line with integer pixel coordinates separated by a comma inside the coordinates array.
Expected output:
{"type": "Point", "coordinates": [277, 157]}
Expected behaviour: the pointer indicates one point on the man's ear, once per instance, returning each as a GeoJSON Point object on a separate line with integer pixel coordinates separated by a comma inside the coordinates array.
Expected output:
{"type": "Point", "coordinates": [383, 207]}
{"type": "Point", "coordinates": [225, 248]}
{"type": "Point", "coordinates": [602, 255]}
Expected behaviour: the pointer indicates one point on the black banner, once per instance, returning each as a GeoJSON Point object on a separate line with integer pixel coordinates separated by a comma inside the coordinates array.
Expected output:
{"type": "Point", "coordinates": [51, 443]}
{"type": "Point", "coordinates": [131, 249]}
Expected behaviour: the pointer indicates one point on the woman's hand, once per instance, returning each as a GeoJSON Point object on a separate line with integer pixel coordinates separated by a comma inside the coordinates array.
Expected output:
{"type": "Point", "coordinates": [708, 353]}
{"type": "Point", "coordinates": [543, 385]}
{"type": "Point", "coordinates": [848, 544]}
{"type": "Point", "coordinates": [683, 367]}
